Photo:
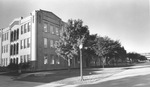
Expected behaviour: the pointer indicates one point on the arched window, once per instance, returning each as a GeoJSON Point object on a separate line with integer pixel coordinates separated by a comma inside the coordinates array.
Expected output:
{"type": "Point", "coordinates": [10, 49]}
{"type": "Point", "coordinates": [17, 48]}
{"type": "Point", "coordinates": [14, 61]}
{"type": "Point", "coordinates": [17, 60]}
{"type": "Point", "coordinates": [14, 35]}
{"type": "Point", "coordinates": [11, 61]}
{"type": "Point", "coordinates": [17, 33]}
{"type": "Point", "coordinates": [14, 49]}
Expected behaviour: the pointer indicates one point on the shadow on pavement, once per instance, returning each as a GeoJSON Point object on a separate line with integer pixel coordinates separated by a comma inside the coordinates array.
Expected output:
{"type": "Point", "coordinates": [58, 75]}
{"type": "Point", "coordinates": [136, 81]}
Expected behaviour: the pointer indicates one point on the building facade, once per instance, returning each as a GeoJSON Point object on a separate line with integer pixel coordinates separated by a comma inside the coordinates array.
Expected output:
{"type": "Point", "coordinates": [33, 39]}
{"type": "Point", "coordinates": [1, 46]}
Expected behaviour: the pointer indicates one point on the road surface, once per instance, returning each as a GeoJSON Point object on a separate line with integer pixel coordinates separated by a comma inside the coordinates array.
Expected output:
{"type": "Point", "coordinates": [137, 76]}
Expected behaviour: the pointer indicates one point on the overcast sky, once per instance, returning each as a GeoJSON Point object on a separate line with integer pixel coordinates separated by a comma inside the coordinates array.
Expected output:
{"type": "Point", "coordinates": [124, 20]}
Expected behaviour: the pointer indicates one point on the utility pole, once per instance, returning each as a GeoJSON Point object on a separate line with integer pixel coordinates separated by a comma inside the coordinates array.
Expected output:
{"type": "Point", "coordinates": [81, 68]}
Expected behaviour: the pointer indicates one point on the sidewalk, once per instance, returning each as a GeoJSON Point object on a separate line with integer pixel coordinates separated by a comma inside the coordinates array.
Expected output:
{"type": "Point", "coordinates": [70, 78]}
{"type": "Point", "coordinates": [92, 77]}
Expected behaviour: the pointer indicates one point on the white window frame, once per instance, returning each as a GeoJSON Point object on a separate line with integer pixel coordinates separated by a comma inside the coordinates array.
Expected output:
{"type": "Point", "coordinates": [29, 26]}
{"type": "Point", "coordinates": [56, 42]}
{"type": "Point", "coordinates": [57, 30]}
{"type": "Point", "coordinates": [45, 42]}
{"type": "Point", "coordinates": [45, 59]}
{"type": "Point", "coordinates": [52, 43]}
{"type": "Point", "coordinates": [28, 42]}
{"type": "Point", "coordinates": [22, 44]}
{"type": "Point", "coordinates": [25, 43]}
{"type": "Point", "coordinates": [51, 29]}
{"type": "Point", "coordinates": [22, 29]}
{"type": "Point", "coordinates": [52, 59]}
{"type": "Point", "coordinates": [58, 60]}
{"type": "Point", "coordinates": [45, 26]}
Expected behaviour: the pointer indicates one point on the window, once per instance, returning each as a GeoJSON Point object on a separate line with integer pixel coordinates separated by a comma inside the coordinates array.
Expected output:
{"type": "Point", "coordinates": [4, 36]}
{"type": "Point", "coordinates": [25, 28]}
{"type": "Point", "coordinates": [57, 60]}
{"type": "Point", "coordinates": [6, 61]}
{"type": "Point", "coordinates": [54, 31]}
{"type": "Point", "coordinates": [33, 18]}
{"type": "Point", "coordinates": [2, 49]}
{"type": "Point", "coordinates": [21, 59]}
{"type": "Point", "coordinates": [45, 27]}
{"type": "Point", "coordinates": [25, 59]}
{"type": "Point", "coordinates": [17, 60]}
{"type": "Point", "coordinates": [10, 61]}
{"type": "Point", "coordinates": [56, 43]}
{"type": "Point", "coordinates": [25, 43]}
{"type": "Point", "coordinates": [51, 29]}
{"type": "Point", "coordinates": [17, 33]}
{"type": "Point", "coordinates": [22, 29]}
{"type": "Point", "coordinates": [29, 26]}
{"type": "Point", "coordinates": [45, 59]}
{"type": "Point", "coordinates": [14, 35]}
{"type": "Point", "coordinates": [57, 31]}
{"type": "Point", "coordinates": [45, 42]}
{"type": "Point", "coordinates": [6, 48]}
{"type": "Point", "coordinates": [51, 43]}
{"type": "Point", "coordinates": [28, 58]}
{"type": "Point", "coordinates": [14, 50]}
{"type": "Point", "coordinates": [10, 36]}
{"type": "Point", "coordinates": [17, 48]}
{"type": "Point", "coordinates": [22, 44]}
{"type": "Point", "coordinates": [28, 42]}
{"type": "Point", "coordinates": [7, 36]}
{"type": "Point", "coordinates": [10, 49]}
{"type": "Point", "coordinates": [26, 25]}
{"type": "Point", "coordinates": [52, 59]}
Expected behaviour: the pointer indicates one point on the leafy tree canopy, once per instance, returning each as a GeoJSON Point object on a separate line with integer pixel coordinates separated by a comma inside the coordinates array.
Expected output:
{"type": "Point", "coordinates": [73, 35]}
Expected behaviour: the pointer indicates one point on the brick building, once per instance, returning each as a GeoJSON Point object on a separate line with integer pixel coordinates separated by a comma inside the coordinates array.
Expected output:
{"type": "Point", "coordinates": [33, 39]}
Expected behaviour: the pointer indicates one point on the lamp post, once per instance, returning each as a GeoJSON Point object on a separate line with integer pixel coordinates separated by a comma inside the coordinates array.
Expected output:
{"type": "Point", "coordinates": [81, 74]}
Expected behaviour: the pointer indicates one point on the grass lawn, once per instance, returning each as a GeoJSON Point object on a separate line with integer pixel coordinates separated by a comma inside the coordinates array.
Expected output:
{"type": "Point", "coordinates": [70, 77]}
{"type": "Point", "coordinates": [56, 75]}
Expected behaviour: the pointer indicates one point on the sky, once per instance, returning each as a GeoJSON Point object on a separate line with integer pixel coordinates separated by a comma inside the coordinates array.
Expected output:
{"type": "Point", "coordinates": [125, 20]}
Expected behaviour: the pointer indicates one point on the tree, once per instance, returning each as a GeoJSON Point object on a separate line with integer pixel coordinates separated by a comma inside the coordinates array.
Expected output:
{"type": "Point", "coordinates": [89, 52]}
{"type": "Point", "coordinates": [13, 67]}
{"type": "Point", "coordinates": [102, 47]}
{"type": "Point", "coordinates": [18, 67]}
{"type": "Point", "coordinates": [135, 57]}
{"type": "Point", "coordinates": [73, 35]}
{"type": "Point", "coordinates": [118, 53]}
{"type": "Point", "coordinates": [109, 50]}
{"type": "Point", "coordinates": [142, 58]}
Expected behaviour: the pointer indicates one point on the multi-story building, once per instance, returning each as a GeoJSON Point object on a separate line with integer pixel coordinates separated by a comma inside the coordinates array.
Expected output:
{"type": "Point", "coordinates": [5, 47]}
{"type": "Point", "coordinates": [33, 38]}
{"type": "Point", "coordinates": [0, 46]}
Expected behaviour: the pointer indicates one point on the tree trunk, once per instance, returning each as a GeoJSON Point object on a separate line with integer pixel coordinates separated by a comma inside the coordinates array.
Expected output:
{"type": "Point", "coordinates": [103, 60]}
{"type": "Point", "coordinates": [69, 65]}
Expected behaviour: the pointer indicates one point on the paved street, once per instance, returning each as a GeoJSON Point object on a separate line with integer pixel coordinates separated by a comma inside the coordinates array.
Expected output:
{"type": "Point", "coordinates": [136, 76]}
